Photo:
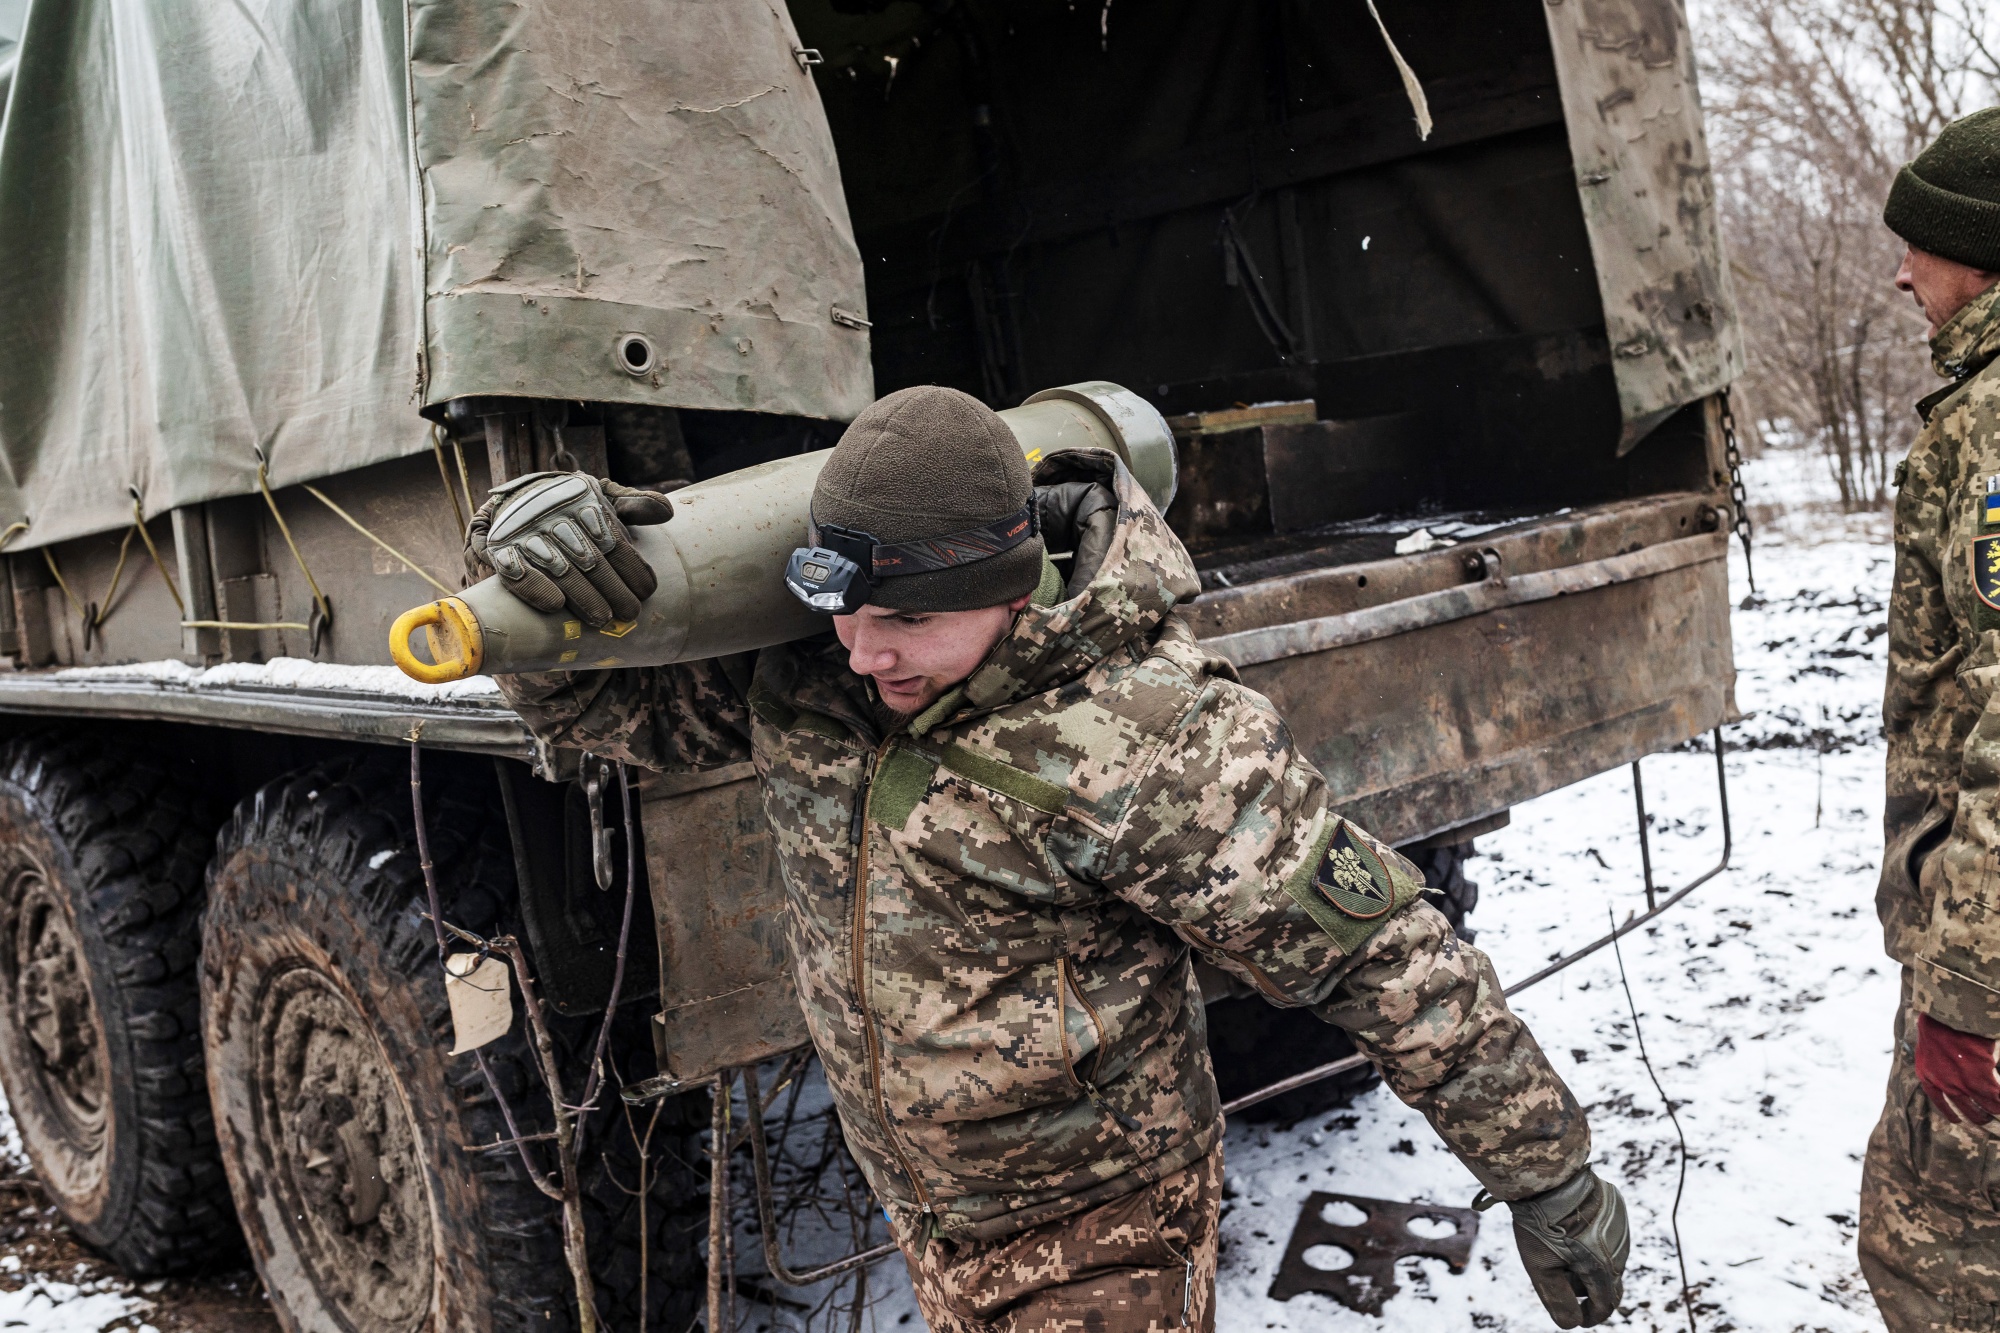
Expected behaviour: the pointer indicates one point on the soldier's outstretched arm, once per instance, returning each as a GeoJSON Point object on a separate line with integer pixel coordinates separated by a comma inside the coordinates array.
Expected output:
{"type": "Point", "coordinates": [1228, 840]}
{"type": "Point", "coordinates": [561, 541]}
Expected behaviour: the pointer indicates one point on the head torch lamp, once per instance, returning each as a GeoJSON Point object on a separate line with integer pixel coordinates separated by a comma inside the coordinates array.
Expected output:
{"type": "Point", "coordinates": [839, 573]}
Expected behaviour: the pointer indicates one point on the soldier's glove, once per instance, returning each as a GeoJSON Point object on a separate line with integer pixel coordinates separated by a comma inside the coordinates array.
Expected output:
{"type": "Point", "coordinates": [1573, 1241]}
{"type": "Point", "coordinates": [1957, 1072]}
{"type": "Point", "coordinates": [559, 539]}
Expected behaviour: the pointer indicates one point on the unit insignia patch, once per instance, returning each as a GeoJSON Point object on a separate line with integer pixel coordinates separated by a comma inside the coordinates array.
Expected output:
{"type": "Point", "coordinates": [1353, 878]}
{"type": "Point", "coordinates": [1985, 554]}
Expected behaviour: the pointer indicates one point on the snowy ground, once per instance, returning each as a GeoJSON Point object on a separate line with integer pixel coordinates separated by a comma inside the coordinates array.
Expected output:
{"type": "Point", "coordinates": [1764, 999]}
{"type": "Point", "coordinates": [1764, 1002]}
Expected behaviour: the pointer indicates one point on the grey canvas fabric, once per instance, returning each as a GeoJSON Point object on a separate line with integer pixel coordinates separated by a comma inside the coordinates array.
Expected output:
{"type": "Point", "coordinates": [212, 238]}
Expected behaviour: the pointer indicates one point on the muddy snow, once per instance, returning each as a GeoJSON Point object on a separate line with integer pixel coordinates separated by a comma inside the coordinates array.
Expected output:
{"type": "Point", "coordinates": [1763, 1001]}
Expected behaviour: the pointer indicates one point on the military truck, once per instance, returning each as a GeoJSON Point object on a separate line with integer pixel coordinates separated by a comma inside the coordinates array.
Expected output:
{"type": "Point", "coordinates": [1435, 306]}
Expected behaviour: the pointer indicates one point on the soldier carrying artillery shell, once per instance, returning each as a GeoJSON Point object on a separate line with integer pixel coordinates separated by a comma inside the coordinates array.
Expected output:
{"type": "Point", "coordinates": [1013, 799]}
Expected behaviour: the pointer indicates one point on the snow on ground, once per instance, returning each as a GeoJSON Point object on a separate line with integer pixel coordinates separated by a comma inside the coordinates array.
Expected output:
{"type": "Point", "coordinates": [47, 1288]}
{"type": "Point", "coordinates": [1764, 1001]}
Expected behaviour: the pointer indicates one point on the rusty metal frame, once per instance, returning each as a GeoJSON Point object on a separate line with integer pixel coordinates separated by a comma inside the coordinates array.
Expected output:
{"type": "Point", "coordinates": [1377, 1243]}
{"type": "Point", "coordinates": [1494, 592]}
{"type": "Point", "coordinates": [1654, 907]}
{"type": "Point", "coordinates": [766, 1217]}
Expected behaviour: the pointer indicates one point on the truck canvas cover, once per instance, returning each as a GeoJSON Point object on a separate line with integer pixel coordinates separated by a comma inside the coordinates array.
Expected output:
{"type": "Point", "coordinates": [287, 225]}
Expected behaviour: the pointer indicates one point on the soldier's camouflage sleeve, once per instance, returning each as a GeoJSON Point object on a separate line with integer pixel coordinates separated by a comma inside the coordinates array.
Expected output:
{"type": "Point", "coordinates": [1923, 703]}
{"type": "Point", "coordinates": [680, 718]}
{"type": "Point", "coordinates": [1955, 914]}
{"type": "Point", "coordinates": [1228, 840]}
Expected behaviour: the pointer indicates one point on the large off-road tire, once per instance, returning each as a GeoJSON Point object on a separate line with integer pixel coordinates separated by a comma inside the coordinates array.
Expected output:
{"type": "Point", "coordinates": [102, 852]}
{"type": "Point", "coordinates": [345, 1124]}
{"type": "Point", "coordinates": [1450, 891]}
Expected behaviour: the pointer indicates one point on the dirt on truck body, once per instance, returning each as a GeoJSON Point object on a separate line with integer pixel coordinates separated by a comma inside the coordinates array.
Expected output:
{"type": "Point", "coordinates": [282, 295]}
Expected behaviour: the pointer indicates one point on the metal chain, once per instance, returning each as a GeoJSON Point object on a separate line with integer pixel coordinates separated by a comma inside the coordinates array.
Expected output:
{"type": "Point", "coordinates": [1739, 499]}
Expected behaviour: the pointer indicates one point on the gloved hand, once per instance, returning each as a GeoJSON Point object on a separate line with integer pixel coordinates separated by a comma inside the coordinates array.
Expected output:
{"type": "Point", "coordinates": [1573, 1241]}
{"type": "Point", "coordinates": [559, 539]}
{"type": "Point", "coordinates": [1957, 1072]}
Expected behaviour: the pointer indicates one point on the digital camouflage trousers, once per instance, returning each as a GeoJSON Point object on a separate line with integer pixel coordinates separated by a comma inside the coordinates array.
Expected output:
{"type": "Point", "coordinates": [1930, 1210]}
{"type": "Point", "coordinates": [1143, 1263]}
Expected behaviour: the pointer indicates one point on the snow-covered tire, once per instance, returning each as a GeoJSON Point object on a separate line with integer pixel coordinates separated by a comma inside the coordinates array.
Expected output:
{"type": "Point", "coordinates": [102, 851]}
{"type": "Point", "coordinates": [344, 1123]}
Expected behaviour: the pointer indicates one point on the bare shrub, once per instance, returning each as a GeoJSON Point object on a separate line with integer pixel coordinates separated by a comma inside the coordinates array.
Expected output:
{"type": "Point", "coordinates": [1812, 106]}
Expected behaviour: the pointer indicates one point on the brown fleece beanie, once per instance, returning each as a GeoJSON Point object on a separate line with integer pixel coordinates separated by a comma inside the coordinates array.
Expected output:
{"type": "Point", "coordinates": [927, 462]}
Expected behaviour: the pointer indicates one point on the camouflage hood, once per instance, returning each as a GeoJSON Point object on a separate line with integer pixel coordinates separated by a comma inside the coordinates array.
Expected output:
{"type": "Point", "coordinates": [1966, 345]}
{"type": "Point", "coordinates": [1970, 339]}
{"type": "Point", "coordinates": [1065, 632]}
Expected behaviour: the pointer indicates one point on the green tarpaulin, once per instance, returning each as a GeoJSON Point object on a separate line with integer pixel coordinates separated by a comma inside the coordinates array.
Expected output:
{"type": "Point", "coordinates": [288, 225]}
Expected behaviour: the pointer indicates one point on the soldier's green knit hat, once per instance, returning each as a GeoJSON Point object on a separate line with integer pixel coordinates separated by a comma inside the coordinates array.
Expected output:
{"type": "Point", "coordinates": [929, 462]}
{"type": "Point", "coordinates": [1948, 200]}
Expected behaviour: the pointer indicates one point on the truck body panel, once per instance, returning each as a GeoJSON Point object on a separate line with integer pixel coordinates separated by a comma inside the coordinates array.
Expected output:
{"type": "Point", "coordinates": [1513, 331]}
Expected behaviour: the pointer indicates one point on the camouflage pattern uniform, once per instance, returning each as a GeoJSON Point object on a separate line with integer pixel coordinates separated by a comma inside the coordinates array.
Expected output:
{"type": "Point", "coordinates": [995, 908]}
{"type": "Point", "coordinates": [1930, 1205]}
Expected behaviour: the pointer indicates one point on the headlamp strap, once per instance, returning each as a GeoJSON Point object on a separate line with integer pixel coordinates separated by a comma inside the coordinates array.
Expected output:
{"type": "Point", "coordinates": [952, 549]}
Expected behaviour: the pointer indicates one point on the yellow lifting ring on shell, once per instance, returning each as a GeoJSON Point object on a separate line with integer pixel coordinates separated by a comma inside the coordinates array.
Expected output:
{"type": "Point", "coordinates": [451, 632]}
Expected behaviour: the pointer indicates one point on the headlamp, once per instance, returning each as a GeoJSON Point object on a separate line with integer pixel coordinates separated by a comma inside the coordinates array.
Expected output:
{"type": "Point", "coordinates": [838, 574]}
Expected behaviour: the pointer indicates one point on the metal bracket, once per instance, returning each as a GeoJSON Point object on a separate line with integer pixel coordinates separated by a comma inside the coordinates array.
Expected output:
{"type": "Point", "coordinates": [596, 779]}
{"type": "Point", "coordinates": [1387, 1233]}
{"type": "Point", "coordinates": [753, 1098]}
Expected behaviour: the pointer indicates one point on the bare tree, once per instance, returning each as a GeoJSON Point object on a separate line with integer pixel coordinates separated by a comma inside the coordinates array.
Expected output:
{"type": "Point", "coordinates": [1813, 106]}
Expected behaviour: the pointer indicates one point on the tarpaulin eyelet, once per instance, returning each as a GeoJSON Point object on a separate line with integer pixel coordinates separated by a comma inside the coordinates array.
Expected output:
{"type": "Point", "coordinates": [635, 355]}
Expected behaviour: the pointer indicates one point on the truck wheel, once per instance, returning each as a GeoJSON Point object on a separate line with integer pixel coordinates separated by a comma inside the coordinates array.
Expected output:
{"type": "Point", "coordinates": [1254, 1044]}
{"type": "Point", "coordinates": [1450, 891]}
{"type": "Point", "coordinates": [344, 1124]}
{"type": "Point", "coordinates": [101, 859]}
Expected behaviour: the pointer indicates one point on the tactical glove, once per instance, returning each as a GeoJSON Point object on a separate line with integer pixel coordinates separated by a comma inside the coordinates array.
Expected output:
{"type": "Point", "coordinates": [559, 539]}
{"type": "Point", "coordinates": [1573, 1242]}
{"type": "Point", "coordinates": [1957, 1072]}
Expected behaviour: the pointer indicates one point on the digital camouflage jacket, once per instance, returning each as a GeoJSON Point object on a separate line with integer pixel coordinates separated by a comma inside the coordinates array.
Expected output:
{"type": "Point", "coordinates": [1939, 897]}
{"type": "Point", "coordinates": [994, 908]}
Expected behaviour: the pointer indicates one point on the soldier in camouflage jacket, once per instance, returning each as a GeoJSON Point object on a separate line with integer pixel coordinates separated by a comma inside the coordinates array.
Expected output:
{"type": "Point", "coordinates": [996, 903]}
{"type": "Point", "coordinates": [1930, 1207]}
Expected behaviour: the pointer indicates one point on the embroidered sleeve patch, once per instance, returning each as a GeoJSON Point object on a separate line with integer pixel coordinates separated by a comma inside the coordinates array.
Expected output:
{"type": "Point", "coordinates": [1985, 555]}
{"type": "Point", "coordinates": [1353, 878]}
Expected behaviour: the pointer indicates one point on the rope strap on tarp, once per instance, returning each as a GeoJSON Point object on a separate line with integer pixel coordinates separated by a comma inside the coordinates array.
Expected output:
{"type": "Point", "coordinates": [437, 451]}
{"type": "Point", "coordinates": [355, 523]}
{"type": "Point", "coordinates": [139, 522]}
{"type": "Point", "coordinates": [320, 602]}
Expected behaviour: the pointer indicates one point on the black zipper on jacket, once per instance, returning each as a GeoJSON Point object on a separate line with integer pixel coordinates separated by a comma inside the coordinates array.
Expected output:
{"type": "Point", "coordinates": [860, 815]}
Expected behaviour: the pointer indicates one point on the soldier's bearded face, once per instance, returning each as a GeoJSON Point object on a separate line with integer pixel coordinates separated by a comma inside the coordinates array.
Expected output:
{"type": "Point", "coordinates": [915, 656]}
{"type": "Point", "coordinates": [1942, 287]}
